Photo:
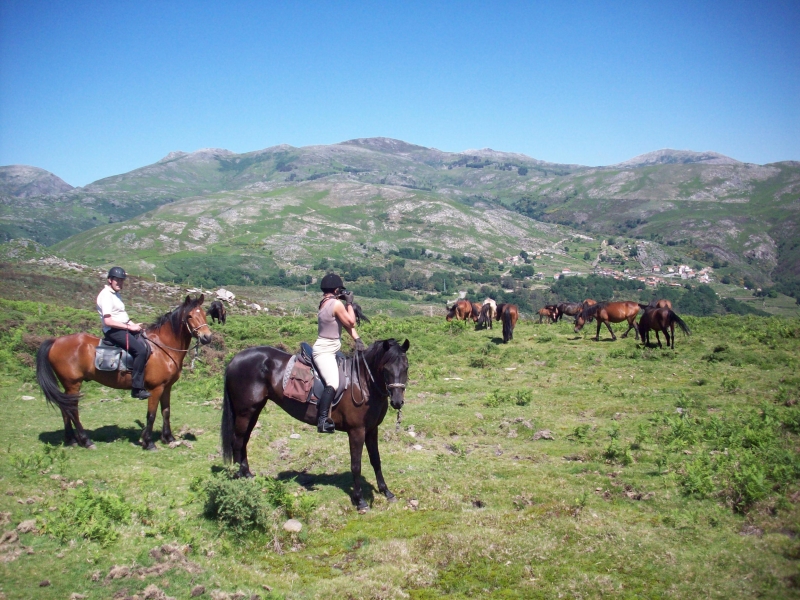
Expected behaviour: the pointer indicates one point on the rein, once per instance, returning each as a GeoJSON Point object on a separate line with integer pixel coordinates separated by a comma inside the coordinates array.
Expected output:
{"type": "Point", "coordinates": [164, 347]}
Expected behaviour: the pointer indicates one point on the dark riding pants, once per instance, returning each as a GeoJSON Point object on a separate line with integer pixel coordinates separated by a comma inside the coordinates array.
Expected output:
{"type": "Point", "coordinates": [136, 347]}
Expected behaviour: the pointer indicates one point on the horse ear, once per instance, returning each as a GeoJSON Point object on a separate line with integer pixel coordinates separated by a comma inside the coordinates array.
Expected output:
{"type": "Point", "coordinates": [405, 346]}
{"type": "Point", "coordinates": [201, 299]}
{"type": "Point", "coordinates": [188, 299]}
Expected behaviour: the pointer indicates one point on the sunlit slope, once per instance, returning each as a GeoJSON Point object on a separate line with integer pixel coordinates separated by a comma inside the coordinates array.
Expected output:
{"type": "Point", "coordinates": [297, 225]}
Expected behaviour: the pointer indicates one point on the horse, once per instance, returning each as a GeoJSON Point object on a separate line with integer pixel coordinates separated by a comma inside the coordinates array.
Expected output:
{"type": "Point", "coordinates": [663, 303]}
{"type": "Point", "coordinates": [476, 311]}
{"type": "Point", "coordinates": [549, 312]}
{"type": "Point", "coordinates": [660, 319]}
{"type": "Point", "coordinates": [69, 359]}
{"type": "Point", "coordinates": [460, 311]}
{"type": "Point", "coordinates": [508, 314]}
{"type": "Point", "coordinates": [568, 308]}
{"type": "Point", "coordinates": [487, 315]}
{"type": "Point", "coordinates": [217, 311]}
{"type": "Point", "coordinates": [609, 312]}
{"type": "Point", "coordinates": [255, 375]}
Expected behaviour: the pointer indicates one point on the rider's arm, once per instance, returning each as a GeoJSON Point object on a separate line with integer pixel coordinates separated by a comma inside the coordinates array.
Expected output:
{"type": "Point", "coordinates": [347, 317]}
{"type": "Point", "coordinates": [129, 326]}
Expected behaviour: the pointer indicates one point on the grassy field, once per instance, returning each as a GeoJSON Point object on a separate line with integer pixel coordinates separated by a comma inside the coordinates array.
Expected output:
{"type": "Point", "coordinates": [553, 466]}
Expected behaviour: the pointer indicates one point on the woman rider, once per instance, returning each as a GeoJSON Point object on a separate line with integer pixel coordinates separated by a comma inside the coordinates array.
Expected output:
{"type": "Point", "coordinates": [121, 331]}
{"type": "Point", "coordinates": [335, 312]}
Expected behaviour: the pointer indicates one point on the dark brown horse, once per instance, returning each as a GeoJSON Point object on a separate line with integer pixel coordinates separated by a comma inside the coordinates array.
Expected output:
{"type": "Point", "coordinates": [508, 314]}
{"type": "Point", "coordinates": [217, 312]}
{"type": "Point", "coordinates": [460, 311]}
{"type": "Point", "coordinates": [486, 317]}
{"type": "Point", "coordinates": [549, 312]}
{"type": "Point", "coordinates": [609, 312]}
{"type": "Point", "coordinates": [255, 375]}
{"type": "Point", "coordinates": [69, 359]}
{"type": "Point", "coordinates": [660, 319]}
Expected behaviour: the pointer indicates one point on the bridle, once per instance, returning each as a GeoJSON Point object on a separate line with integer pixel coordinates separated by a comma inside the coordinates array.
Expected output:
{"type": "Point", "coordinates": [192, 333]}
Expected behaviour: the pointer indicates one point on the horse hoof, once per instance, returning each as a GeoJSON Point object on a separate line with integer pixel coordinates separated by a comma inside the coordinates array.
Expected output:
{"type": "Point", "coordinates": [390, 497]}
{"type": "Point", "coordinates": [362, 507]}
{"type": "Point", "coordinates": [91, 447]}
{"type": "Point", "coordinates": [151, 447]}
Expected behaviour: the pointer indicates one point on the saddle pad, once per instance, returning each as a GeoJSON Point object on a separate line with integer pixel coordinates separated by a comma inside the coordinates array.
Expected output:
{"type": "Point", "coordinates": [314, 390]}
{"type": "Point", "coordinates": [112, 358]}
{"type": "Point", "coordinates": [299, 382]}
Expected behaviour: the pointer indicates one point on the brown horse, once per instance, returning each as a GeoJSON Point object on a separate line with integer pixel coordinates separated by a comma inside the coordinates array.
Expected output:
{"type": "Point", "coordinates": [476, 312]}
{"type": "Point", "coordinates": [460, 311]}
{"type": "Point", "coordinates": [663, 303]}
{"type": "Point", "coordinates": [255, 375]}
{"type": "Point", "coordinates": [70, 359]}
{"type": "Point", "coordinates": [217, 311]}
{"type": "Point", "coordinates": [508, 314]}
{"type": "Point", "coordinates": [549, 312]}
{"type": "Point", "coordinates": [609, 312]}
{"type": "Point", "coordinates": [572, 308]}
{"type": "Point", "coordinates": [660, 319]}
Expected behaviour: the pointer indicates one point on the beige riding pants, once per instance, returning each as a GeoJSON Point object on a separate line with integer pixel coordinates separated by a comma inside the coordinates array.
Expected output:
{"type": "Point", "coordinates": [325, 358]}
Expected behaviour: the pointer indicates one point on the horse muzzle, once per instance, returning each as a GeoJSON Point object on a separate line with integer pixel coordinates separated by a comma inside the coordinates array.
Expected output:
{"type": "Point", "coordinates": [396, 395]}
{"type": "Point", "coordinates": [204, 338]}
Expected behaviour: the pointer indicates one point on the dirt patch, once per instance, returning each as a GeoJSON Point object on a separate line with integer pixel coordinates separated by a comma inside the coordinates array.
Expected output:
{"type": "Point", "coordinates": [167, 557]}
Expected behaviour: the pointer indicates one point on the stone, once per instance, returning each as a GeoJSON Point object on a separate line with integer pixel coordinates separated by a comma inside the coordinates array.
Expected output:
{"type": "Point", "coordinates": [293, 526]}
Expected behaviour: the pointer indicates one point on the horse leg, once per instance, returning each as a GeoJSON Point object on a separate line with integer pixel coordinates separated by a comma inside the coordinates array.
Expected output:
{"type": "Point", "coordinates": [611, 331]}
{"type": "Point", "coordinates": [69, 432]}
{"type": "Point", "coordinates": [166, 429]}
{"type": "Point", "coordinates": [356, 448]}
{"type": "Point", "coordinates": [375, 461]}
{"type": "Point", "coordinates": [666, 335]}
{"type": "Point", "coordinates": [242, 428]}
{"type": "Point", "coordinates": [152, 404]}
{"type": "Point", "coordinates": [658, 339]}
{"type": "Point", "coordinates": [71, 416]}
{"type": "Point", "coordinates": [597, 335]}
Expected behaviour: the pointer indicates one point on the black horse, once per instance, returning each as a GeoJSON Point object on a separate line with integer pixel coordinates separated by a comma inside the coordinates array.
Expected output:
{"type": "Point", "coordinates": [255, 375]}
{"type": "Point", "coordinates": [660, 319]}
{"type": "Point", "coordinates": [217, 312]}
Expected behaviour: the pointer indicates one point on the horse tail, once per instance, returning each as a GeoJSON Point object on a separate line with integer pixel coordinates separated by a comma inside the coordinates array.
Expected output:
{"type": "Point", "coordinates": [680, 322]}
{"type": "Point", "coordinates": [226, 429]}
{"type": "Point", "coordinates": [507, 325]}
{"type": "Point", "coordinates": [643, 306]}
{"type": "Point", "coordinates": [48, 382]}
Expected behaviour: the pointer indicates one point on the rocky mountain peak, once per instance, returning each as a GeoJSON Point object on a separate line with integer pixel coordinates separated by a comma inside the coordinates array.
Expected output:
{"type": "Point", "coordinates": [22, 181]}
{"type": "Point", "coordinates": [667, 156]}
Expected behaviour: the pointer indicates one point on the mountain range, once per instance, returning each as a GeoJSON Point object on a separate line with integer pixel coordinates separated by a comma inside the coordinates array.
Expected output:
{"type": "Point", "coordinates": [290, 207]}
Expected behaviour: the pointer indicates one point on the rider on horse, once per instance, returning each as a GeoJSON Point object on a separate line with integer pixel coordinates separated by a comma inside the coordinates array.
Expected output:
{"type": "Point", "coordinates": [121, 331]}
{"type": "Point", "coordinates": [335, 311]}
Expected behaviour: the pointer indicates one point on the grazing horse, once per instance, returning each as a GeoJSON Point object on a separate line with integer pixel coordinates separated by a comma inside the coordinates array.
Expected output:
{"type": "Point", "coordinates": [508, 314]}
{"type": "Point", "coordinates": [476, 312]}
{"type": "Point", "coordinates": [70, 360]}
{"type": "Point", "coordinates": [487, 315]}
{"type": "Point", "coordinates": [217, 312]}
{"type": "Point", "coordinates": [609, 312]}
{"type": "Point", "coordinates": [660, 319]}
{"type": "Point", "coordinates": [255, 375]}
{"type": "Point", "coordinates": [568, 308]}
{"type": "Point", "coordinates": [460, 311]}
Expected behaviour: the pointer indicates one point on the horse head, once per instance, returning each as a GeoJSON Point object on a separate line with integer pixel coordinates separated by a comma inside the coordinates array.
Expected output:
{"type": "Point", "coordinates": [195, 319]}
{"type": "Point", "coordinates": [392, 370]}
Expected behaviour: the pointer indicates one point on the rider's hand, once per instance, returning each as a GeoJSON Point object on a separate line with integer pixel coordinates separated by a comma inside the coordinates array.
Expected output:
{"type": "Point", "coordinates": [134, 327]}
{"type": "Point", "coordinates": [348, 298]}
{"type": "Point", "coordinates": [360, 347]}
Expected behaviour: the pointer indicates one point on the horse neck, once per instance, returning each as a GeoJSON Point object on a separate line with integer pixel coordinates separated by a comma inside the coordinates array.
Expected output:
{"type": "Point", "coordinates": [171, 341]}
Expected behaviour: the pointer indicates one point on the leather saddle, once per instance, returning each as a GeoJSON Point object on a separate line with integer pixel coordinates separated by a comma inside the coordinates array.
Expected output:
{"type": "Point", "coordinates": [306, 357]}
{"type": "Point", "coordinates": [109, 357]}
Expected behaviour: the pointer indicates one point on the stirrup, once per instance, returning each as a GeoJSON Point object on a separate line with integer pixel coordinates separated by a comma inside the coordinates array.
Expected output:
{"type": "Point", "coordinates": [326, 425]}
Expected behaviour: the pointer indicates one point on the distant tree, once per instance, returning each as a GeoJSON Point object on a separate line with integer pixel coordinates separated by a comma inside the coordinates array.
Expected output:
{"type": "Point", "coordinates": [523, 254]}
{"type": "Point", "coordinates": [522, 171]}
{"type": "Point", "coordinates": [587, 256]}
{"type": "Point", "coordinates": [726, 279]}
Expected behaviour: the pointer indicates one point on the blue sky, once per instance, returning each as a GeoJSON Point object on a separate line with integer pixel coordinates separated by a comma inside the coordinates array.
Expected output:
{"type": "Point", "coordinates": [93, 89]}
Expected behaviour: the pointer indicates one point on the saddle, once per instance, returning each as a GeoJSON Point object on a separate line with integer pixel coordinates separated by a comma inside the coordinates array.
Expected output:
{"type": "Point", "coordinates": [302, 382]}
{"type": "Point", "coordinates": [108, 357]}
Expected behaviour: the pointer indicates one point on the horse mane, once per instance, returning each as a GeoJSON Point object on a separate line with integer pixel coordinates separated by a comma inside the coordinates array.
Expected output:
{"type": "Point", "coordinates": [589, 311]}
{"type": "Point", "coordinates": [175, 316]}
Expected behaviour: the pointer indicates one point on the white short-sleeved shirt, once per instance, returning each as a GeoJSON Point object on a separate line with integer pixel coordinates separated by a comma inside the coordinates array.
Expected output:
{"type": "Point", "coordinates": [110, 303]}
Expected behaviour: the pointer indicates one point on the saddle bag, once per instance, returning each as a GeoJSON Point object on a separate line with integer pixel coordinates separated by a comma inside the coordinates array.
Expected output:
{"type": "Point", "coordinates": [112, 358]}
{"type": "Point", "coordinates": [299, 383]}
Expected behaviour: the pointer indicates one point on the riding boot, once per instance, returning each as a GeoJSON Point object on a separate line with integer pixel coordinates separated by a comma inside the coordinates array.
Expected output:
{"type": "Point", "coordinates": [324, 423]}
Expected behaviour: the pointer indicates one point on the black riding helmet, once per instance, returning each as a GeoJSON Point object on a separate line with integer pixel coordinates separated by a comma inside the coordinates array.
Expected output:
{"type": "Point", "coordinates": [331, 282]}
{"type": "Point", "coordinates": [117, 273]}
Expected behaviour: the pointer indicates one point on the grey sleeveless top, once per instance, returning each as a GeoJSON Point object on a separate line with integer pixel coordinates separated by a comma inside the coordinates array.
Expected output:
{"type": "Point", "coordinates": [327, 325]}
